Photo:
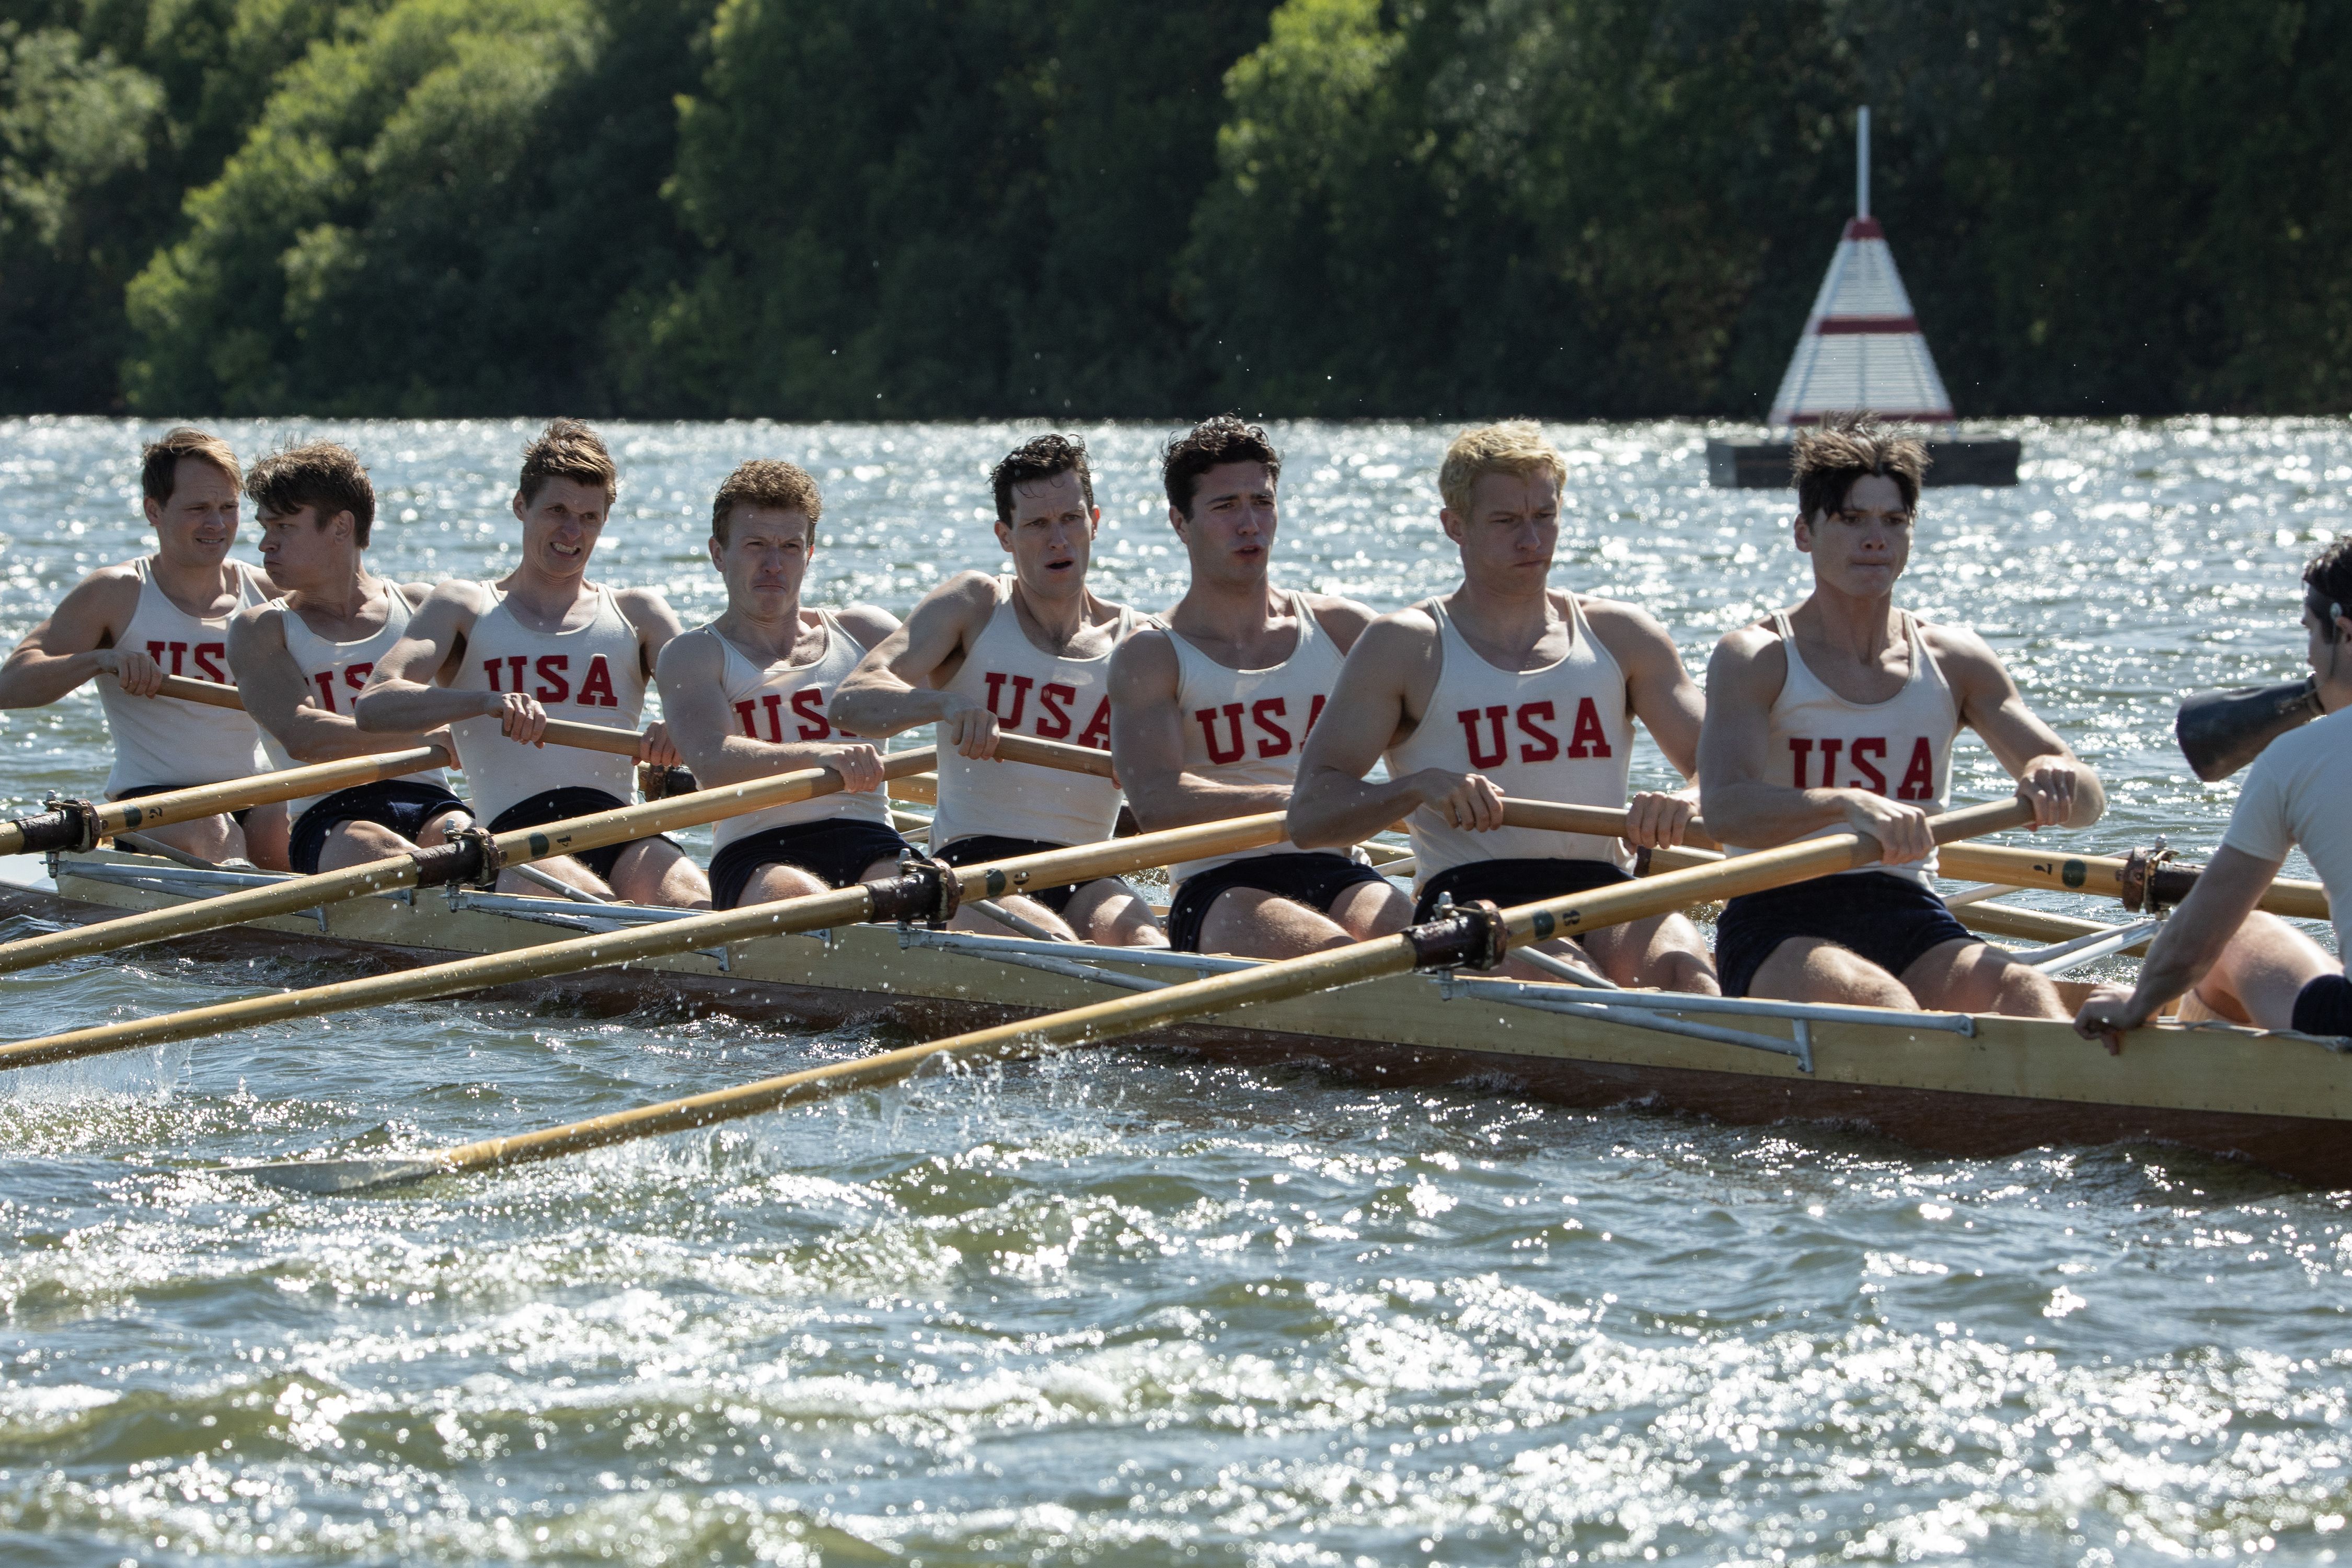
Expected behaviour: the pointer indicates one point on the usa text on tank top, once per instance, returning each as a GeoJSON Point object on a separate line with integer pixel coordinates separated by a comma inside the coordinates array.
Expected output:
{"type": "Point", "coordinates": [334, 672]}
{"type": "Point", "coordinates": [162, 739]}
{"type": "Point", "coordinates": [1563, 732]}
{"type": "Point", "coordinates": [1032, 692]}
{"type": "Point", "coordinates": [1901, 748]}
{"type": "Point", "coordinates": [591, 675]}
{"type": "Point", "coordinates": [786, 702]}
{"type": "Point", "coordinates": [1248, 726]}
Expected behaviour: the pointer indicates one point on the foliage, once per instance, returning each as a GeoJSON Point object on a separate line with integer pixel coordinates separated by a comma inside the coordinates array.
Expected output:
{"type": "Point", "coordinates": [852, 208]}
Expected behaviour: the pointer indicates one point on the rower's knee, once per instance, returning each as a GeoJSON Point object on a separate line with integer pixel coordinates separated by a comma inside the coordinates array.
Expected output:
{"type": "Point", "coordinates": [773, 881]}
{"type": "Point", "coordinates": [2021, 991]}
{"type": "Point", "coordinates": [1806, 969]}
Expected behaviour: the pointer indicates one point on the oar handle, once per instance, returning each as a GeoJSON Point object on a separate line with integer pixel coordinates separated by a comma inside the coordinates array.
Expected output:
{"type": "Point", "coordinates": [560, 731]}
{"type": "Point", "coordinates": [1599, 821]}
{"type": "Point", "coordinates": [1053, 754]}
{"type": "Point", "coordinates": [211, 693]}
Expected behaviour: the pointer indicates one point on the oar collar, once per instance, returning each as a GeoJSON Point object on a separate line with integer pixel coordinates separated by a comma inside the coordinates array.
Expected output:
{"type": "Point", "coordinates": [924, 889]}
{"type": "Point", "coordinates": [1463, 936]}
{"type": "Point", "coordinates": [470, 858]}
{"type": "Point", "coordinates": [71, 826]}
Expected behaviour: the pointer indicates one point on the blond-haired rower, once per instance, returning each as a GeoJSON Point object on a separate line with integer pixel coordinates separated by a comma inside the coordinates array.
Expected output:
{"type": "Point", "coordinates": [1510, 686]}
{"type": "Point", "coordinates": [166, 614]}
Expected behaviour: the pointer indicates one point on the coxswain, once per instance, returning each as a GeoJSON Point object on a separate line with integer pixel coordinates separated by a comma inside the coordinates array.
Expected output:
{"type": "Point", "coordinates": [1211, 709]}
{"type": "Point", "coordinates": [495, 661]}
{"type": "Point", "coordinates": [1027, 653]}
{"type": "Point", "coordinates": [1508, 686]}
{"type": "Point", "coordinates": [302, 659]}
{"type": "Point", "coordinates": [749, 696]}
{"type": "Point", "coordinates": [2240, 963]}
{"type": "Point", "coordinates": [160, 615]}
{"type": "Point", "coordinates": [1839, 717]}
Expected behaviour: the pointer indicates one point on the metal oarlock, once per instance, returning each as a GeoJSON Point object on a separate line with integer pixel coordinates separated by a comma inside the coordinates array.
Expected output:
{"type": "Point", "coordinates": [70, 827]}
{"type": "Point", "coordinates": [2151, 883]}
{"type": "Point", "coordinates": [1461, 936]}
{"type": "Point", "coordinates": [924, 889]}
{"type": "Point", "coordinates": [470, 860]}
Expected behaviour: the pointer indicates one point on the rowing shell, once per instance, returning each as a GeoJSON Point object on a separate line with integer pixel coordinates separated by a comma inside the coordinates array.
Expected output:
{"type": "Point", "coordinates": [1955, 1084]}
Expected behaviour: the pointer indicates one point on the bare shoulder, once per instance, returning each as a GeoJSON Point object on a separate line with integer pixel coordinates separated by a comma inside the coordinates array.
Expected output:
{"type": "Point", "coordinates": [1344, 619]}
{"type": "Point", "coordinates": [1145, 662]}
{"type": "Point", "coordinates": [263, 621]}
{"type": "Point", "coordinates": [1402, 633]}
{"type": "Point", "coordinates": [693, 656]}
{"type": "Point", "coordinates": [869, 624]}
{"type": "Point", "coordinates": [1752, 644]}
{"type": "Point", "coordinates": [1968, 662]}
{"type": "Point", "coordinates": [109, 587]}
{"type": "Point", "coordinates": [415, 594]}
{"type": "Point", "coordinates": [647, 609]}
{"type": "Point", "coordinates": [462, 596]}
{"type": "Point", "coordinates": [1616, 621]}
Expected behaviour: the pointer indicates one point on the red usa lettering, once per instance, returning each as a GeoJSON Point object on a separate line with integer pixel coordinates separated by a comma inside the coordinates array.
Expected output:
{"type": "Point", "coordinates": [1489, 743]}
{"type": "Point", "coordinates": [1863, 755]}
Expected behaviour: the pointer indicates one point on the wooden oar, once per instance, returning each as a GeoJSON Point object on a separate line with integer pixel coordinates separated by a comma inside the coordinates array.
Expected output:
{"type": "Point", "coordinates": [2107, 876]}
{"type": "Point", "coordinates": [1462, 938]}
{"type": "Point", "coordinates": [69, 828]}
{"type": "Point", "coordinates": [915, 896]}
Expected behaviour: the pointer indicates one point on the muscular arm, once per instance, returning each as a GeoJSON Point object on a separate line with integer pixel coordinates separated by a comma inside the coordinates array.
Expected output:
{"type": "Point", "coordinates": [1740, 805]}
{"type": "Point", "coordinates": [2061, 787]}
{"type": "Point", "coordinates": [892, 689]}
{"type": "Point", "coordinates": [278, 697]}
{"type": "Point", "coordinates": [657, 622]}
{"type": "Point", "coordinates": [1335, 805]}
{"type": "Point", "coordinates": [1343, 620]}
{"type": "Point", "coordinates": [75, 642]}
{"type": "Point", "coordinates": [2189, 944]}
{"type": "Point", "coordinates": [694, 697]}
{"type": "Point", "coordinates": [1146, 744]}
{"type": "Point", "coordinates": [403, 695]}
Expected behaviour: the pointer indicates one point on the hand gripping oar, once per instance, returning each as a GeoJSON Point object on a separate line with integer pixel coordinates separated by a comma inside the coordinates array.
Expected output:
{"type": "Point", "coordinates": [78, 825]}
{"type": "Point", "coordinates": [2222, 732]}
{"type": "Point", "coordinates": [929, 891]}
{"type": "Point", "coordinates": [1475, 936]}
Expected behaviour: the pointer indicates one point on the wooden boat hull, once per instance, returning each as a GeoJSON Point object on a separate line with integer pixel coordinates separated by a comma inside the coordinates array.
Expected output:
{"type": "Point", "coordinates": [2281, 1102]}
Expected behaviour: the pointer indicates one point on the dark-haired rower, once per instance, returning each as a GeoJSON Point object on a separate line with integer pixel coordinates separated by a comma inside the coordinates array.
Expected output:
{"type": "Point", "coordinates": [2245, 965]}
{"type": "Point", "coordinates": [1211, 712]}
{"type": "Point", "coordinates": [1839, 717]}
{"type": "Point", "coordinates": [1026, 654]}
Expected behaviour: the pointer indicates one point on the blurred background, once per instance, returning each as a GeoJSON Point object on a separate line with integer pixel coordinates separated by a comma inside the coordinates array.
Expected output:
{"type": "Point", "coordinates": [911, 209]}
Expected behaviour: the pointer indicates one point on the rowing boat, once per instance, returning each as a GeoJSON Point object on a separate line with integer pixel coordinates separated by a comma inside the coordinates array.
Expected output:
{"type": "Point", "coordinates": [1949, 1083]}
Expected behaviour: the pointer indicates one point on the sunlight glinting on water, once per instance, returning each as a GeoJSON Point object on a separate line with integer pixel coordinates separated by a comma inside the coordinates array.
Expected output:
{"type": "Point", "coordinates": [1125, 1307]}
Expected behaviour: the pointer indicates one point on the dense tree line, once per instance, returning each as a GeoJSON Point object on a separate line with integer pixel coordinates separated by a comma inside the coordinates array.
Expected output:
{"type": "Point", "coordinates": [860, 208]}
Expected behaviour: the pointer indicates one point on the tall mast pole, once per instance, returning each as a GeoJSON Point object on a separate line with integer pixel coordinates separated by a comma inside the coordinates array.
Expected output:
{"type": "Point", "coordinates": [1862, 163]}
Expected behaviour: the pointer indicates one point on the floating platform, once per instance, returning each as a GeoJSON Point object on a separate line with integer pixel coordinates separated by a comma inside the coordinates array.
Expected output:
{"type": "Point", "coordinates": [1764, 465]}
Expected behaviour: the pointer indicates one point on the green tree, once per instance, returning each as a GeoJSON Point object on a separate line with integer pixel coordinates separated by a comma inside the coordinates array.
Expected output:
{"type": "Point", "coordinates": [436, 215]}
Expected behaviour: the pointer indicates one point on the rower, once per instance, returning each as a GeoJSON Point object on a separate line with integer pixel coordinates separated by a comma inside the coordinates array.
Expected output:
{"type": "Point", "coordinates": [1839, 717]}
{"type": "Point", "coordinates": [1029, 653]}
{"type": "Point", "coordinates": [1509, 686]}
{"type": "Point", "coordinates": [2247, 966]}
{"type": "Point", "coordinates": [495, 661]}
{"type": "Point", "coordinates": [301, 660]}
{"type": "Point", "coordinates": [166, 614]}
{"type": "Point", "coordinates": [748, 696]}
{"type": "Point", "coordinates": [1209, 713]}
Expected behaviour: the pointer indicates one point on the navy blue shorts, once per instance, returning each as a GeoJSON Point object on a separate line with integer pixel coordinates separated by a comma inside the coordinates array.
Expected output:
{"type": "Point", "coordinates": [982, 847]}
{"type": "Point", "coordinates": [1511, 883]}
{"type": "Point", "coordinates": [563, 804]}
{"type": "Point", "coordinates": [835, 851]}
{"type": "Point", "coordinates": [136, 791]}
{"type": "Point", "coordinates": [2325, 1006]}
{"type": "Point", "coordinates": [405, 805]}
{"type": "Point", "coordinates": [1314, 878]}
{"type": "Point", "coordinates": [1890, 921]}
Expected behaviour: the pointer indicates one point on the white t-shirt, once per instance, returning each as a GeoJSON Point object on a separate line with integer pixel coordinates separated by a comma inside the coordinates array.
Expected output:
{"type": "Point", "coordinates": [2296, 794]}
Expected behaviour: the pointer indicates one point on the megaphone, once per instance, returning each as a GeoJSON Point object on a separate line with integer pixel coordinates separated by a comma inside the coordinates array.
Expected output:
{"type": "Point", "coordinates": [2222, 732]}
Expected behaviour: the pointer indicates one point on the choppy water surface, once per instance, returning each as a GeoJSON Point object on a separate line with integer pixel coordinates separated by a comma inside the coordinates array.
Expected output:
{"type": "Point", "coordinates": [1127, 1309]}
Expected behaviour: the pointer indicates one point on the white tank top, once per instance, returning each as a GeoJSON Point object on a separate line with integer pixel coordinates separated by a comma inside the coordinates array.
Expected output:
{"type": "Point", "coordinates": [787, 702]}
{"type": "Point", "coordinates": [1562, 733]}
{"type": "Point", "coordinates": [1248, 726]}
{"type": "Point", "coordinates": [592, 676]}
{"type": "Point", "coordinates": [1901, 747]}
{"type": "Point", "coordinates": [1032, 693]}
{"type": "Point", "coordinates": [162, 739]}
{"type": "Point", "coordinates": [334, 672]}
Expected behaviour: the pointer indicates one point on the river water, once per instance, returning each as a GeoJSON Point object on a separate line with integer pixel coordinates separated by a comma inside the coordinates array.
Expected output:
{"type": "Point", "coordinates": [1125, 1308]}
